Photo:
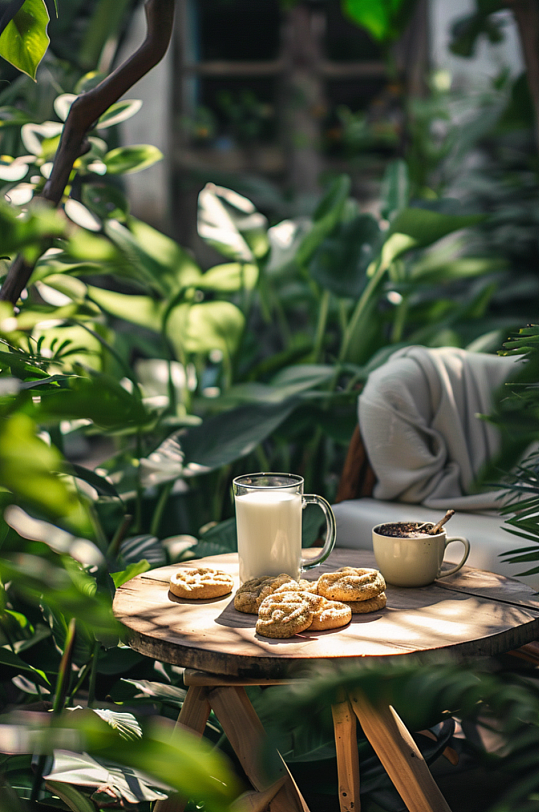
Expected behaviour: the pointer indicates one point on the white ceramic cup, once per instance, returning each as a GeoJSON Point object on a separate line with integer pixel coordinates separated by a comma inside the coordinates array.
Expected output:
{"type": "Point", "coordinates": [414, 561]}
{"type": "Point", "coordinates": [268, 522]}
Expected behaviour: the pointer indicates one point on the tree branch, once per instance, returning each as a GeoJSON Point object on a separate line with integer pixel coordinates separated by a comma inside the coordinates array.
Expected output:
{"type": "Point", "coordinates": [85, 111]}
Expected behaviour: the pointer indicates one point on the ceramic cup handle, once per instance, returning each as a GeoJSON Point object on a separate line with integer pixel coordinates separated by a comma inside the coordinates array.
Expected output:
{"type": "Point", "coordinates": [461, 563]}
{"type": "Point", "coordinates": [312, 499]}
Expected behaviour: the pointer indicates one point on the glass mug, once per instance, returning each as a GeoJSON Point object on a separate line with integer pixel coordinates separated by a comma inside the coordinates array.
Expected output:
{"type": "Point", "coordinates": [268, 522]}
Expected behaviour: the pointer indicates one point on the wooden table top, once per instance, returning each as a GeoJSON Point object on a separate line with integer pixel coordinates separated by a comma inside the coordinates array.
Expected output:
{"type": "Point", "coordinates": [472, 613]}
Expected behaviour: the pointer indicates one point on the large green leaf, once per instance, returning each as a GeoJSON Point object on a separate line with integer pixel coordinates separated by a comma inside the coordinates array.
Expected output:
{"type": "Point", "coordinates": [10, 660]}
{"type": "Point", "coordinates": [17, 232]}
{"type": "Point", "coordinates": [129, 572]}
{"type": "Point", "coordinates": [71, 796]}
{"type": "Point", "coordinates": [177, 268]}
{"type": "Point", "coordinates": [340, 262]}
{"type": "Point", "coordinates": [167, 754]}
{"type": "Point", "coordinates": [141, 310]}
{"type": "Point", "coordinates": [395, 189]}
{"type": "Point", "coordinates": [61, 584]}
{"type": "Point", "coordinates": [128, 786]}
{"type": "Point", "coordinates": [226, 437]}
{"type": "Point", "coordinates": [326, 217]}
{"type": "Point", "coordinates": [201, 328]}
{"type": "Point", "coordinates": [24, 41]}
{"type": "Point", "coordinates": [167, 694]}
{"type": "Point", "coordinates": [218, 441]}
{"type": "Point", "coordinates": [143, 548]}
{"type": "Point", "coordinates": [229, 278]}
{"type": "Point", "coordinates": [286, 384]}
{"type": "Point", "coordinates": [30, 469]}
{"type": "Point", "coordinates": [120, 111]}
{"type": "Point", "coordinates": [156, 260]}
{"type": "Point", "coordinates": [128, 160]}
{"type": "Point", "coordinates": [99, 398]}
{"type": "Point", "coordinates": [59, 540]}
{"type": "Point", "coordinates": [106, 201]}
{"type": "Point", "coordinates": [230, 223]}
{"type": "Point", "coordinates": [425, 227]}
{"type": "Point", "coordinates": [381, 18]}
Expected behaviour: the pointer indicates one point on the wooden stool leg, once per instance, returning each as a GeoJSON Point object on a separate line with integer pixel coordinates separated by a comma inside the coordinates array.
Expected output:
{"type": "Point", "coordinates": [193, 715]}
{"type": "Point", "coordinates": [400, 756]}
{"type": "Point", "coordinates": [245, 733]}
{"type": "Point", "coordinates": [344, 723]}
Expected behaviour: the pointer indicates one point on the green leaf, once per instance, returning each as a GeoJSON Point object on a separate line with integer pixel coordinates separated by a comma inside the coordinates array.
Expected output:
{"type": "Point", "coordinates": [131, 159]}
{"type": "Point", "coordinates": [381, 18]}
{"type": "Point", "coordinates": [106, 201]}
{"type": "Point", "coordinates": [218, 441]}
{"type": "Point", "coordinates": [62, 104]}
{"type": "Point", "coordinates": [176, 267]}
{"type": "Point", "coordinates": [100, 398]}
{"type": "Point", "coordinates": [120, 111]}
{"type": "Point", "coordinates": [227, 437]}
{"type": "Point", "coordinates": [172, 756]}
{"type": "Point", "coordinates": [125, 723]}
{"type": "Point", "coordinates": [80, 769]}
{"type": "Point", "coordinates": [71, 796]}
{"type": "Point", "coordinates": [30, 469]}
{"type": "Point", "coordinates": [220, 538]}
{"type": "Point", "coordinates": [341, 261]}
{"type": "Point", "coordinates": [156, 261]}
{"type": "Point", "coordinates": [17, 232]}
{"type": "Point", "coordinates": [200, 328]}
{"type": "Point", "coordinates": [425, 227]}
{"type": "Point", "coordinates": [286, 384]}
{"type": "Point", "coordinates": [143, 548]}
{"type": "Point", "coordinates": [99, 483]}
{"type": "Point", "coordinates": [230, 223]}
{"type": "Point", "coordinates": [229, 278]}
{"type": "Point", "coordinates": [129, 572]}
{"type": "Point", "coordinates": [24, 41]}
{"type": "Point", "coordinates": [59, 540]}
{"type": "Point", "coordinates": [395, 189]}
{"type": "Point", "coordinates": [141, 310]}
{"type": "Point", "coordinates": [326, 217]}
{"type": "Point", "coordinates": [167, 694]}
{"type": "Point", "coordinates": [62, 585]}
{"type": "Point", "coordinates": [11, 660]}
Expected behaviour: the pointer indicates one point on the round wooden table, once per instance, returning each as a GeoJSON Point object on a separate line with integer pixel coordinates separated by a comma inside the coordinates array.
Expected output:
{"type": "Point", "coordinates": [470, 614]}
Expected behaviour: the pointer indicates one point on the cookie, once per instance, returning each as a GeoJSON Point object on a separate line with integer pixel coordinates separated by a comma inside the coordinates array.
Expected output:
{"type": "Point", "coordinates": [298, 586]}
{"type": "Point", "coordinates": [251, 594]}
{"type": "Point", "coordinates": [284, 614]}
{"type": "Point", "coordinates": [200, 583]}
{"type": "Point", "coordinates": [246, 596]}
{"type": "Point", "coordinates": [328, 614]}
{"type": "Point", "coordinates": [370, 605]}
{"type": "Point", "coordinates": [351, 584]}
{"type": "Point", "coordinates": [273, 584]}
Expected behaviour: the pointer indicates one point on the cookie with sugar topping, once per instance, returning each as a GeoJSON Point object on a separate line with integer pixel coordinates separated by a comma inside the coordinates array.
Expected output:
{"type": "Point", "coordinates": [351, 584]}
{"type": "Point", "coordinates": [284, 614]}
{"type": "Point", "coordinates": [200, 583]}
{"type": "Point", "coordinates": [370, 605]}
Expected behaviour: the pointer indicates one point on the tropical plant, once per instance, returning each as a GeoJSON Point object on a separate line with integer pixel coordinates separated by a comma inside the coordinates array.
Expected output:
{"type": "Point", "coordinates": [499, 702]}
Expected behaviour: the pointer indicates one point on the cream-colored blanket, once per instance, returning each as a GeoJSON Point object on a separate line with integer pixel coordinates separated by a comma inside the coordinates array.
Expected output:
{"type": "Point", "coordinates": [418, 416]}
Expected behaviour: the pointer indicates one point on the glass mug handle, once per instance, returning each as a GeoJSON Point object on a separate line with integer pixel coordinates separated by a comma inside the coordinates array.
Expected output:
{"type": "Point", "coordinates": [312, 499]}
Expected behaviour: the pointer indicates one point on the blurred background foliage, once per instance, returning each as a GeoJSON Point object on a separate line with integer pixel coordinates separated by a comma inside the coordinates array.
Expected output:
{"type": "Point", "coordinates": [137, 378]}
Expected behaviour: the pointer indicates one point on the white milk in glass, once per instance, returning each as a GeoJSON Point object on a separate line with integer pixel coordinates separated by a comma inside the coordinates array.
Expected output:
{"type": "Point", "coordinates": [269, 533]}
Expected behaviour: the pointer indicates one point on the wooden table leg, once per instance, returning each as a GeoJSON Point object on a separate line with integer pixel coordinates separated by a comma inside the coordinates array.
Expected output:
{"type": "Point", "coordinates": [399, 754]}
{"type": "Point", "coordinates": [344, 723]}
{"type": "Point", "coordinates": [245, 733]}
{"type": "Point", "coordinates": [193, 715]}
